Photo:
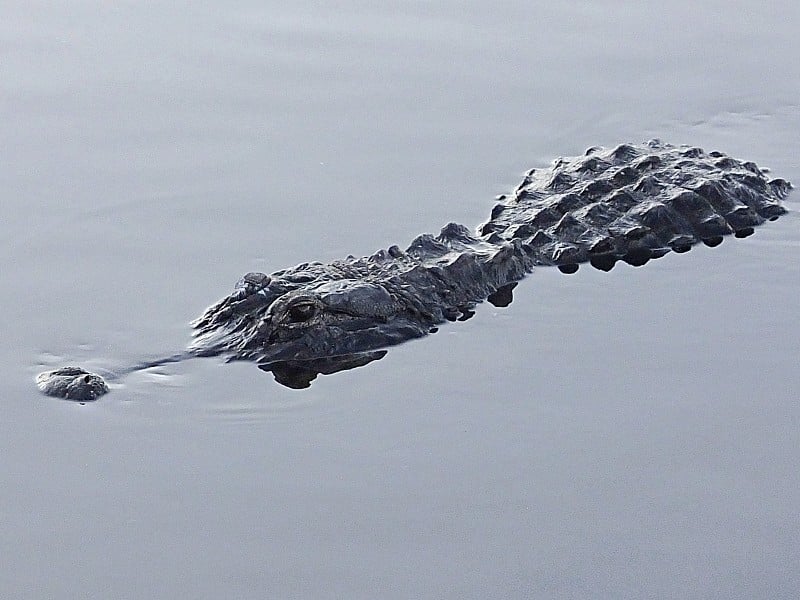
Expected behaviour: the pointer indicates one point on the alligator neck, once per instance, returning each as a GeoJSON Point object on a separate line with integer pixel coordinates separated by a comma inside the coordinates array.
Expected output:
{"type": "Point", "coordinates": [457, 269]}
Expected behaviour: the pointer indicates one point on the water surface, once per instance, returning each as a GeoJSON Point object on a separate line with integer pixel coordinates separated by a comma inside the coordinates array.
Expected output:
{"type": "Point", "coordinates": [631, 434]}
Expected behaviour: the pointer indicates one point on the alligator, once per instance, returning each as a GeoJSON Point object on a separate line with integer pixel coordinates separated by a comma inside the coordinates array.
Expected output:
{"type": "Point", "coordinates": [630, 203]}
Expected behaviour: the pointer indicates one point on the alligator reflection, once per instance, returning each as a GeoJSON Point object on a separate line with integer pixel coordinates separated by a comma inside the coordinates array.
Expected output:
{"type": "Point", "coordinates": [298, 374]}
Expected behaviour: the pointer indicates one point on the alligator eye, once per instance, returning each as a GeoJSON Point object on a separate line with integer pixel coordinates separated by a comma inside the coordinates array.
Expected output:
{"type": "Point", "coordinates": [301, 312]}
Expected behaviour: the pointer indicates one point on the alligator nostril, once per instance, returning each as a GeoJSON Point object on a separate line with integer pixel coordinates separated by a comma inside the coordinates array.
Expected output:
{"type": "Point", "coordinates": [72, 383]}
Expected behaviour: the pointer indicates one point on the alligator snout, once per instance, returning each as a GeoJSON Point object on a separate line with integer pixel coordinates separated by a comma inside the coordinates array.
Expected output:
{"type": "Point", "coordinates": [72, 383]}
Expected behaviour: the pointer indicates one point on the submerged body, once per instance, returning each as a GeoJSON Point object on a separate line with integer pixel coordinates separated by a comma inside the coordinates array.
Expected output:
{"type": "Point", "coordinates": [631, 203]}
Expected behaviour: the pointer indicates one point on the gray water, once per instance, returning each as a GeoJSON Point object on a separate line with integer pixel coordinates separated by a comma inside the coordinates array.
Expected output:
{"type": "Point", "coordinates": [634, 434]}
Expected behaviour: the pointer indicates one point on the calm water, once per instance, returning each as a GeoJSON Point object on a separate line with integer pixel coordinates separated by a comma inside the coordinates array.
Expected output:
{"type": "Point", "coordinates": [623, 435]}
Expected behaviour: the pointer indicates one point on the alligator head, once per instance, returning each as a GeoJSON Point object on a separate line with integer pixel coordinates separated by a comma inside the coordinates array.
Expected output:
{"type": "Point", "coordinates": [287, 318]}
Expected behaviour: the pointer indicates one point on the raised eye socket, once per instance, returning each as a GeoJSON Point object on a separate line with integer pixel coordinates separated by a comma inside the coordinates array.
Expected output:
{"type": "Point", "coordinates": [301, 312]}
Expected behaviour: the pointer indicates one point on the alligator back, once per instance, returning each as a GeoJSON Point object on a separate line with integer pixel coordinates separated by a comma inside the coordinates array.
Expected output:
{"type": "Point", "coordinates": [633, 203]}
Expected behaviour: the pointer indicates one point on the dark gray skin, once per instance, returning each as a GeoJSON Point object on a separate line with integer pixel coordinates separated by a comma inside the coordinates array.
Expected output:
{"type": "Point", "coordinates": [631, 203]}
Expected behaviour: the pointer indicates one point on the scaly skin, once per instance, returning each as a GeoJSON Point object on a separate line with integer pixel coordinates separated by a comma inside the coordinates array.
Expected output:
{"type": "Point", "coordinates": [632, 203]}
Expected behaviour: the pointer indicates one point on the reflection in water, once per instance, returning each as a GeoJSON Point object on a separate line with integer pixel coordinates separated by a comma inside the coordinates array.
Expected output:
{"type": "Point", "coordinates": [298, 374]}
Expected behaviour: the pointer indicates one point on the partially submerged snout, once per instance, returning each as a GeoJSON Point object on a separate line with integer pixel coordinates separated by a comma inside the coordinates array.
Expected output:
{"type": "Point", "coordinates": [72, 383]}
